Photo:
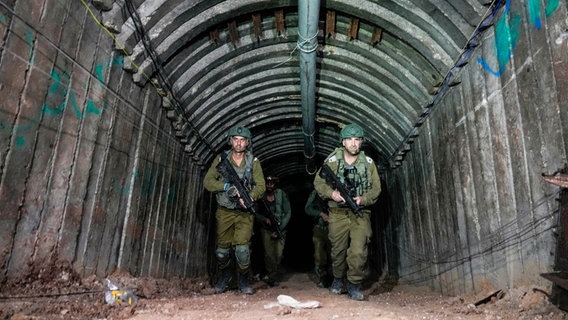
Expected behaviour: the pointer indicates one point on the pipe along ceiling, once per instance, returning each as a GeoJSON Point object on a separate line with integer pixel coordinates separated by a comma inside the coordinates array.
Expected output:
{"type": "Point", "coordinates": [217, 64]}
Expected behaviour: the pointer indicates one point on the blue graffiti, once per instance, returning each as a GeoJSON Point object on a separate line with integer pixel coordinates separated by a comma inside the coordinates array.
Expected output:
{"type": "Point", "coordinates": [507, 32]}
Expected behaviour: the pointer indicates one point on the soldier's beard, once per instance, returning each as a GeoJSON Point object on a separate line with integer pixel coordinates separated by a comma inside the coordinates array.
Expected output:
{"type": "Point", "coordinates": [239, 149]}
{"type": "Point", "coordinates": [353, 152]}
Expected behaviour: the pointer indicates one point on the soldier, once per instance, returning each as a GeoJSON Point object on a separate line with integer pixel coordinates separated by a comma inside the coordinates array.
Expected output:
{"type": "Point", "coordinates": [318, 210]}
{"type": "Point", "coordinates": [234, 219]}
{"type": "Point", "coordinates": [273, 217]}
{"type": "Point", "coordinates": [349, 229]}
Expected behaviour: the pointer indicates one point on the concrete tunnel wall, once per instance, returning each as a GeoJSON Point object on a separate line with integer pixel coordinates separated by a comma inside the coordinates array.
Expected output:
{"type": "Point", "coordinates": [92, 175]}
{"type": "Point", "coordinates": [470, 207]}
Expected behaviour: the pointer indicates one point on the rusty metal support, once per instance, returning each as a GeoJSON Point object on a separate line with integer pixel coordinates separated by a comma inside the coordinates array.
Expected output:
{"type": "Point", "coordinates": [279, 20]}
{"type": "Point", "coordinates": [353, 28]}
{"type": "Point", "coordinates": [233, 32]}
{"type": "Point", "coordinates": [257, 26]}
{"type": "Point", "coordinates": [377, 36]}
{"type": "Point", "coordinates": [330, 24]}
{"type": "Point", "coordinates": [214, 36]}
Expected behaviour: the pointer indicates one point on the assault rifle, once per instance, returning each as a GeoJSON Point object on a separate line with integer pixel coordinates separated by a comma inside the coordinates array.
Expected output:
{"type": "Point", "coordinates": [332, 180]}
{"type": "Point", "coordinates": [274, 221]}
{"type": "Point", "coordinates": [226, 169]}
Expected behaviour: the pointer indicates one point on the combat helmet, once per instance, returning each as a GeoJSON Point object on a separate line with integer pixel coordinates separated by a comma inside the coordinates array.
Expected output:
{"type": "Point", "coordinates": [273, 179]}
{"type": "Point", "coordinates": [351, 131]}
{"type": "Point", "coordinates": [240, 131]}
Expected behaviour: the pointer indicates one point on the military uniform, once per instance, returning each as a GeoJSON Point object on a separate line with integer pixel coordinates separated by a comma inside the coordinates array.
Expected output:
{"type": "Point", "coordinates": [234, 223]}
{"type": "Point", "coordinates": [322, 247]}
{"type": "Point", "coordinates": [274, 247]}
{"type": "Point", "coordinates": [350, 233]}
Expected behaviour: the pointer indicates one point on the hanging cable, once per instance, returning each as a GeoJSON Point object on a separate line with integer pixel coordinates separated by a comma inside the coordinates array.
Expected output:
{"type": "Point", "coordinates": [461, 61]}
{"type": "Point", "coordinates": [160, 72]}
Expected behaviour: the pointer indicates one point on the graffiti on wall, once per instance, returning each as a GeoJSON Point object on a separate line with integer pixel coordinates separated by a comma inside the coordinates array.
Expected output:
{"type": "Point", "coordinates": [507, 32]}
{"type": "Point", "coordinates": [61, 98]}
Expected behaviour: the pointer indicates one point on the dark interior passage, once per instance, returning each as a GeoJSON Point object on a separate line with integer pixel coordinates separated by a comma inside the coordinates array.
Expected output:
{"type": "Point", "coordinates": [112, 111]}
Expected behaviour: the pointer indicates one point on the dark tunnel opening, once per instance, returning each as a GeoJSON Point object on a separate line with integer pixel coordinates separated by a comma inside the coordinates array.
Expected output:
{"type": "Point", "coordinates": [298, 251]}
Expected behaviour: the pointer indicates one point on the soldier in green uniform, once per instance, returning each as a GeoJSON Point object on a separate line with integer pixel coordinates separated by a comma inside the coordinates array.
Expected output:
{"type": "Point", "coordinates": [350, 232]}
{"type": "Point", "coordinates": [234, 221]}
{"type": "Point", "coordinates": [317, 209]}
{"type": "Point", "coordinates": [275, 200]}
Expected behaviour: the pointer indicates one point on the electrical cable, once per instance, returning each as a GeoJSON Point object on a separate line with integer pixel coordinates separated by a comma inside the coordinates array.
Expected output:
{"type": "Point", "coordinates": [48, 295]}
{"type": "Point", "coordinates": [486, 21]}
{"type": "Point", "coordinates": [502, 238]}
{"type": "Point", "coordinates": [159, 70]}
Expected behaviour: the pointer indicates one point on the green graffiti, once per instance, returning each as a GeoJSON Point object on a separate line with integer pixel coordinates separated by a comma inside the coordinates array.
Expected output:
{"type": "Point", "coordinates": [57, 88]}
{"type": "Point", "coordinates": [534, 13]}
{"type": "Point", "coordinates": [20, 141]}
{"type": "Point", "coordinates": [118, 61]}
{"type": "Point", "coordinates": [54, 89]}
{"type": "Point", "coordinates": [171, 196]}
{"type": "Point", "coordinates": [533, 8]}
{"type": "Point", "coordinates": [99, 72]}
{"type": "Point", "coordinates": [551, 6]}
{"type": "Point", "coordinates": [100, 68]}
{"type": "Point", "coordinates": [506, 38]}
{"type": "Point", "coordinates": [91, 108]}
{"type": "Point", "coordinates": [507, 34]}
{"type": "Point", "coordinates": [30, 41]}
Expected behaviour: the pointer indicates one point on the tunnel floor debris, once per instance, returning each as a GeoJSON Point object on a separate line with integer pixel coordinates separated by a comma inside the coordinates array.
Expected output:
{"type": "Point", "coordinates": [62, 295]}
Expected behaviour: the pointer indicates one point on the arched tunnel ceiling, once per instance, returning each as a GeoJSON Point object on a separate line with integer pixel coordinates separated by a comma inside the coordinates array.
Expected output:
{"type": "Point", "coordinates": [224, 63]}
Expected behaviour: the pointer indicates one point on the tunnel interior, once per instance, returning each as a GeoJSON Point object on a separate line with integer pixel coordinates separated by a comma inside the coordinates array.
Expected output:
{"type": "Point", "coordinates": [113, 110]}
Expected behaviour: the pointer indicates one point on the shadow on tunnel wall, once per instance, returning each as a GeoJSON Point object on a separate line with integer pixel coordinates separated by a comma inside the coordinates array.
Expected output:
{"type": "Point", "coordinates": [383, 257]}
{"type": "Point", "coordinates": [205, 210]}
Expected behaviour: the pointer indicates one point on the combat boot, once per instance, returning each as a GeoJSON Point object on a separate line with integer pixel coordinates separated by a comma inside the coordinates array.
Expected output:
{"type": "Point", "coordinates": [270, 281]}
{"type": "Point", "coordinates": [244, 286]}
{"type": "Point", "coordinates": [223, 281]}
{"type": "Point", "coordinates": [354, 292]}
{"type": "Point", "coordinates": [337, 286]}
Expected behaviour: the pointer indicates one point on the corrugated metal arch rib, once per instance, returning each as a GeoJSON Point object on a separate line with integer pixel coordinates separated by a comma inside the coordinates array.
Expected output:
{"type": "Point", "coordinates": [222, 81]}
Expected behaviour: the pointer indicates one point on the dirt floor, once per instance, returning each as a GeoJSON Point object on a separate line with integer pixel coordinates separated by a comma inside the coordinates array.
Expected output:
{"type": "Point", "coordinates": [65, 296]}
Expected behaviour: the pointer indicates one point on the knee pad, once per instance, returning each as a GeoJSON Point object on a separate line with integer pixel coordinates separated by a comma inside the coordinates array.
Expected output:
{"type": "Point", "coordinates": [223, 257]}
{"type": "Point", "coordinates": [242, 253]}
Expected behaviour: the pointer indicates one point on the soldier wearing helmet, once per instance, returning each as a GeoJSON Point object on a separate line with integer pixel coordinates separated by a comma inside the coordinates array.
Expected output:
{"type": "Point", "coordinates": [275, 213]}
{"type": "Point", "coordinates": [349, 232]}
{"type": "Point", "coordinates": [234, 222]}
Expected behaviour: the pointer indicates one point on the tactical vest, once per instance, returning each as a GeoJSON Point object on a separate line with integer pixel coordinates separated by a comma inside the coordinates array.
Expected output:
{"type": "Point", "coordinates": [355, 176]}
{"type": "Point", "coordinates": [245, 173]}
